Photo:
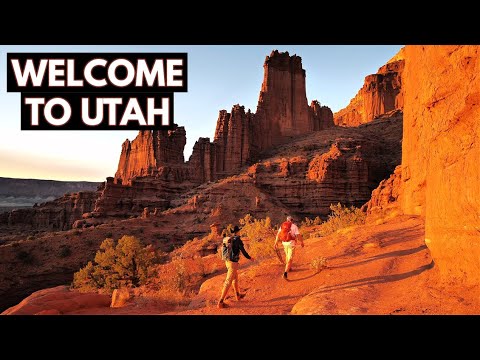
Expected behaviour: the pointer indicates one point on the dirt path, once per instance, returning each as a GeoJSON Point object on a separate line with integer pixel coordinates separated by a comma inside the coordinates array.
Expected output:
{"type": "Point", "coordinates": [373, 269]}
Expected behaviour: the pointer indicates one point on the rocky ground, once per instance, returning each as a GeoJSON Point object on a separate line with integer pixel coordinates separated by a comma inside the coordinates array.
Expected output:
{"type": "Point", "coordinates": [371, 269]}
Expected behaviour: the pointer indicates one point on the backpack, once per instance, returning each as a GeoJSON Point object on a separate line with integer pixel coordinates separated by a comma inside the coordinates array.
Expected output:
{"type": "Point", "coordinates": [285, 234]}
{"type": "Point", "coordinates": [227, 248]}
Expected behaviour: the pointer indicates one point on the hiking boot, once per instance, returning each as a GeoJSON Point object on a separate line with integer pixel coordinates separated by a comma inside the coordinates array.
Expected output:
{"type": "Point", "coordinates": [221, 305]}
{"type": "Point", "coordinates": [285, 275]}
{"type": "Point", "coordinates": [240, 296]}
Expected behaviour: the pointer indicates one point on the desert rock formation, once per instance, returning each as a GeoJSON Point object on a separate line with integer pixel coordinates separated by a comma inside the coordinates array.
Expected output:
{"type": "Point", "coordinates": [441, 152]}
{"type": "Point", "coordinates": [381, 93]}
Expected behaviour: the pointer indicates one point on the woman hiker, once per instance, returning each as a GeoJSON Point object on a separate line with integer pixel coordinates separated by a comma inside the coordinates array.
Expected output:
{"type": "Point", "coordinates": [231, 262]}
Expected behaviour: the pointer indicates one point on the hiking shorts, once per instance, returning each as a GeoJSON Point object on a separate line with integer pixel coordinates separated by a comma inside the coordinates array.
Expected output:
{"type": "Point", "coordinates": [289, 247]}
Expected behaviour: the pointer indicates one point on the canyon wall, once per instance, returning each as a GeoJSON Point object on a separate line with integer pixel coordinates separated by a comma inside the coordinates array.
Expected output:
{"type": "Point", "coordinates": [381, 93]}
{"type": "Point", "coordinates": [441, 152]}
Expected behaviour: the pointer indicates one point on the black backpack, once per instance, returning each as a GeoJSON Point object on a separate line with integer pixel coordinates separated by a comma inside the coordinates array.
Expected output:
{"type": "Point", "coordinates": [227, 248]}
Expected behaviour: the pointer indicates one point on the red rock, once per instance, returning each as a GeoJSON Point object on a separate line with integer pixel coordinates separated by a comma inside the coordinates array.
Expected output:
{"type": "Point", "coordinates": [335, 165]}
{"type": "Point", "coordinates": [386, 195]}
{"type": "Point", "coordinates": [381, 93]}
{"type": "Point", "coordinates": [232, 140]}
{"type": "Point", "coordinates": [120, 297]}
{"type": "Point", "coordinates": [57, 300]}
{"type": "Point", "coordinates": [282, 108]}
{"type": "Point", "coordinates": [49, 312]}
{"type": "Point", "coordinates": [203, 160]}
{"type": "Point", "coordinates": [322, 116]}
{"type": "Point", "coordinates": [150, 151]}
{"type": "Point", "coordinates": [441, 152]}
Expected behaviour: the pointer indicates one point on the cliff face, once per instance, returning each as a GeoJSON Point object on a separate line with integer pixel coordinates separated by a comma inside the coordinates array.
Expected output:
{"type": "Point", "coordinates": [441, 152]}
{"type": "Point", "coordinates": [234, 140]}
{"type": "Point", "coordinates": [387, 195]}
{"type": "Point", "coordinates": [282, 108]}
{"type": "Point", "coordinates": [321, 116]}
{"type": "Point", "coordinates": [381, 93]}
{"type": "Point", "coordinates": [149, 151]}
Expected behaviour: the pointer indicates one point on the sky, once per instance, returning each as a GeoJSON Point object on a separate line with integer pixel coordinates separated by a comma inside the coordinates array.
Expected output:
{"type": "Point", "coordinates": [219, 76]}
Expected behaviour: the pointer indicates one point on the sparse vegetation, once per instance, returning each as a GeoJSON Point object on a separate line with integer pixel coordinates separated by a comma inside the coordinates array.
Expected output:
{"type": "Point", "coordinates": [259, 236]}
{"type": "Point", "coordinates": [341, 217]}
{"type": "Point", "coordinates": [77, 232]}
{"type": "Point", "coordinates": [109, 235]}
{"type": "Point", "coordinates": [65, 251]}
{"type": "Point", "coordinates": [25, 257]}
{"type": "Point", "coordinates": [309, 147]}
{"type": "Point", "coordinates": [318, 264]}
{"type": "Point", "coordinates": [312, 222]}
{"type": "Point", "coordinates": [31, 237]}
{"type": "Point", "coordinates": [126, 263]}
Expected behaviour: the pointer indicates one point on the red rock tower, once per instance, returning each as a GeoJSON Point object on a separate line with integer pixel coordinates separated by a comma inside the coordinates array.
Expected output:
{"type": "Point", "coordinates": [282, 108]}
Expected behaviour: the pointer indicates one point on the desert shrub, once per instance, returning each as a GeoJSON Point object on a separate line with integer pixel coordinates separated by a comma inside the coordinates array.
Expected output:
{"type": "Point", "coordinates": [309, 147]}
{"type": "Point", "coordinates": [25, 257]}
{"type": "Point", "coordinates": [341, 217]}
{"type": "Point", "coordinates": [181, 275]}
{"type": "Point", "coordinates": [65, 251]}
{"type": "Point", "coordinates": [312, 222]}
{"type": "Point", "coordinates": [260, 236]}
{"type": "Point", "coordinates": [126, 263]}
{"type": "Point", "coordinates": [181, 278]}
{"type": "Point", "coordinates": [109, 235]}
{"type": "Point", "coordinates": [31, 237]}
{"type": "Point", "coordinates": [158, 236]}
{"type": "Point", "coordinates": [318, 264]}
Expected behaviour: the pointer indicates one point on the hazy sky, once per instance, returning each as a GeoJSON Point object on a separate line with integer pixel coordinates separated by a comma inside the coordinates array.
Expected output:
{"type": "Point", "coordinates": [218, 77]}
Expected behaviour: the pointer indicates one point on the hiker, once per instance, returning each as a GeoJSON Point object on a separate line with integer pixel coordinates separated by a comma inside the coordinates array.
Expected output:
{"type": "Point", "coordinates": [232, 265]}
{"type": "Point", "coordinates": [288, 234]}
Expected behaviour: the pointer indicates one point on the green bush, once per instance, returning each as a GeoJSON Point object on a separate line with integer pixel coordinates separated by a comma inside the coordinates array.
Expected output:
{"type": "Point", "coordinates": [126, 263]}
{"type": "Point", "coordinates": [341, 217]}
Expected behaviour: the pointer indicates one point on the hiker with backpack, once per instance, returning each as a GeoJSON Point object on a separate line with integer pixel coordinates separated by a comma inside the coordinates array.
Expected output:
{"type": "Point", "coordinates": [288, 234]}
{"type": "Point", "coordinates": [231, 247]}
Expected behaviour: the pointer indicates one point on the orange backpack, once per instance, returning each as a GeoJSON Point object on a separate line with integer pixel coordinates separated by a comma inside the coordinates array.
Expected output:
{"type": "Point", "coordinates": [285, 234]}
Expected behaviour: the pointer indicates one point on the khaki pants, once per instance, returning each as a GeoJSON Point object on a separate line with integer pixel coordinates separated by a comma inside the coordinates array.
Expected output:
{"type": "Point", "coordinates": [232, 277]}
{"type": "Point", "coordinates": [289, 248]}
